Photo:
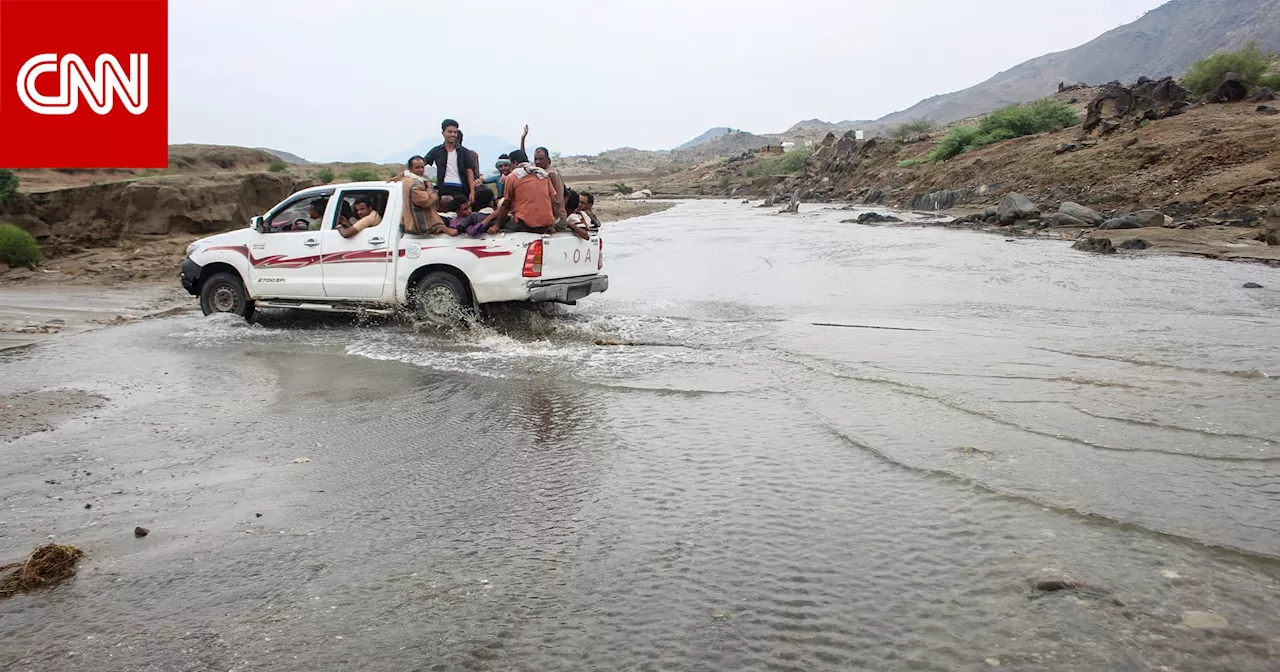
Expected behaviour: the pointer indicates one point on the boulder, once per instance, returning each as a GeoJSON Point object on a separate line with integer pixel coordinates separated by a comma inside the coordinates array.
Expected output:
{"type": "Point", "coordinates": [1267, 110]}
{"type": "Point", "coordinates": [1066, 147]}
{"type": "Point", "coordinates": [1086, 215]}
{"type": "Point", "coordinates": [1014, 206]}
{"type": "Point", "coordinates": [1264, 95]}
{"type": "Point", "coordinates": [1063, 219]}
{"type": "Point", "coordinates": [876, 218]}
{"type": "Point", "coordinates": [1108, 126]}
{"type": "Point", "coordinates": [1151, 218]}
{"type": "Point", "coordinates": [1134, 244]}
{"type": "Point", "coordinates": [1252, 285]}
{"type": "Point", "coordinates": [1095, 245]}
{"type": "Point", "coordinates": [1126, 222]}
{"type": "Point", "coordinates": [1233, 89]}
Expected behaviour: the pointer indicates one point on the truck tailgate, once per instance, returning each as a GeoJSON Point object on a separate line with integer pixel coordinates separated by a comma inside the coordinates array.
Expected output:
{"type": "Point", "coordinates": [565, 255]}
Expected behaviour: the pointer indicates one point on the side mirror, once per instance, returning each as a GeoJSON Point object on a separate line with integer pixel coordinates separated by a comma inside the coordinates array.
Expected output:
{"type": "Point", "coordinates": [257, 224]}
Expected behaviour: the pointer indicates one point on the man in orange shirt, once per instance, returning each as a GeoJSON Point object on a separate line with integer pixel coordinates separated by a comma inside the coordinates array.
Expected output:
{"type": "Point", "coordinates": [528, 194]}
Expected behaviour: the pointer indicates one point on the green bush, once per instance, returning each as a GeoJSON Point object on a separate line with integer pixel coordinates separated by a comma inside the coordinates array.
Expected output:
{"type": "Point", "coordinates": [17, 247]}
{"type": "Point", "coordinates": [362, 175]}
{"type": "Point", "coordinates": [277, 166]}
{"type": "Point", "coordinates": [911, 128]}
{"type": "Point", "coordinates": [325, 176]}
{"type": "Point", "coordinates": [792, 161]}
{"type": "Point", "coordinates": [1251, 63]}
{"type": "Point", "coordinates": [1011, 122]}
{"type": "Point", "coordinates": [959, 139]}
{"type": "Point", "coordinates": [8, 184]}
{"type": "Point", "coordinates": [1271, 81]}
{"type": "Point", "coordinates": [913, 162]}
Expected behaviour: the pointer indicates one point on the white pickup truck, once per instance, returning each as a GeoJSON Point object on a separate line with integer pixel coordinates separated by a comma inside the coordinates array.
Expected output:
{"type": "Point", "coordinates": [288, 259]}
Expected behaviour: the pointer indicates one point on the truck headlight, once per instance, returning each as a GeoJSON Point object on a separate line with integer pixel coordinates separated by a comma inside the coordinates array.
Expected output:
{"type": "Point", "coordinates": [191, 249]}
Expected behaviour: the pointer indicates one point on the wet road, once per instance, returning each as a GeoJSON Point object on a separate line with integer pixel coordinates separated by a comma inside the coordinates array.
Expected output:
{"type": "Point", "coordinates": [831, 447]}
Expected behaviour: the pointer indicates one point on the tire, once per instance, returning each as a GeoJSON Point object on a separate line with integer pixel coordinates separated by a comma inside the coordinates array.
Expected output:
{"type": "Point", "coordinates": [224, 293]}
{"type": "Point", "coordinates": [441, 298]}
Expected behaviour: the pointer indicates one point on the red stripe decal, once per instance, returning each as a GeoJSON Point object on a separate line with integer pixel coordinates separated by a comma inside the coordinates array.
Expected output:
{"type": "Point", "coordinates": [483, 251]}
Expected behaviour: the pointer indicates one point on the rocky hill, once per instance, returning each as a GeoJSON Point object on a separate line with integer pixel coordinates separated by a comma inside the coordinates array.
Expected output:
{"type": "Point", "coordinates": [710, 134]}
{"type": "Point", "coordinates": [287, 157]}
{"type": "Point", "coordinates": [1161, 43]}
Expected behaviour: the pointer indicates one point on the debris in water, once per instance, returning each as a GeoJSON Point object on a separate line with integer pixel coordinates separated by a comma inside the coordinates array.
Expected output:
{"type": "Point", "coordinates": [257, 515]}
{"type": "Point", "coordinates": [604, 341]}
{"type": "Point", "coordinates": [88, 506]}
{"type": "Point", "coordinates": [993, 662]}
{"type": "Point", "coordinates": [1054, 585]}
{"type": "Point", "coordinates": [1203, 620]}
{"type": "Point", "coordinates": [46, 565]}
{"type": "Point", "coordinates": [141, 531]}
{"type": "Point", "coordinates": [1252, 285]}
{"type": "Point", "coordinates": [1170, 574]}
{"type": "Point", "coordinates": [302, 460]}
{"type": "Point", "coordinates": [720, 616]}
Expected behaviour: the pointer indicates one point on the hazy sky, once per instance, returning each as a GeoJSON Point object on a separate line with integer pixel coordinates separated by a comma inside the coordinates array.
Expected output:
{"type": "Point", "coordinates": [331, 79]}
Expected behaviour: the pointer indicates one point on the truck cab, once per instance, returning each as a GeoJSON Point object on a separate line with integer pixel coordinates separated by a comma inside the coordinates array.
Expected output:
{"type": "Point", "coordinates": [295, 256]}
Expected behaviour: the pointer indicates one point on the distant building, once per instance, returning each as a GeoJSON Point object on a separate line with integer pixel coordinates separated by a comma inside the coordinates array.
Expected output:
{"type": "Point", "coordinates": [787, 145]}
{"type": "Point", "coordinates": [858, 135]}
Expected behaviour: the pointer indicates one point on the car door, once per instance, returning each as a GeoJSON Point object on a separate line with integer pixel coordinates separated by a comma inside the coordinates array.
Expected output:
{"type": "Point", "coordinates": [284, 251]}
{"type": "Point", "coordinates": [357, 267]}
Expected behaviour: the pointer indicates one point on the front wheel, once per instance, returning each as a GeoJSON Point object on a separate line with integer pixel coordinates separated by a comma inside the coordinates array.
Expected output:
{"type": "Point", "coordinates": [224, 293]}
{"type": "Point", "coordinates": [440, 298]}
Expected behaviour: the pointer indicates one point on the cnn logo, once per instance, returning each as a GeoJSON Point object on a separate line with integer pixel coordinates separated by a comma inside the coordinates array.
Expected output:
{"type": "Point", "coordinates": [100, 86]}
{"type": "Point", "coordinates": [92, 93]}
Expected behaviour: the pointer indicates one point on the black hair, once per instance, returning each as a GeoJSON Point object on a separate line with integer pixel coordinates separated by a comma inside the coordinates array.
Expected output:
{"type": "Point", "coordinates": [459, 136]}
{"type": "Point", "coordinates": [409, 163]}
{"type": "Point", "coordinates": [518, 156]}
{"type": "Point", "coordinates": [447, 123]}
{"type": "Point", "coordinates": [504, 156]}
{"type": "Point", "coordinates": [543, 150]}
{"type": "Point", "coordinates": [589, 197]}
{"type": "Point", "coordinates": [367, 202]}
{"type": "Point", "coordinates": [484, 199]}
{"type": "Point", "coordinates": [571, 200]}
{"type": "Point", "coordinates": [318, 203]}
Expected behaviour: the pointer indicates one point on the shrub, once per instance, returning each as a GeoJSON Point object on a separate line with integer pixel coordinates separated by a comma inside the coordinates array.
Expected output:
{"type": "Point", "coordinates": [1271, 81]}
{"type": "Point", "coordinates": [1251, 63]}
{"type": "Point", "coordinates": [362, 175]}
{"type": "Point", "coordinates": [277, 165]}
{"type": "Point", "coordinates": [913, 162]}
{"type": "Point", "coordinates": [325, 176]}
{"type": "Point", "coordinates": [8, 184]}
{"type": "Point", "coordinates": [959, 140]}
{"type": "Point", "coordinates": [1007, 123]}
{"type": "Point", "coordinates": [910, 128]}
{"type": "Point", "coordinates": [17, 247]}
{"type": "Point", "coordinates": [792, 161]}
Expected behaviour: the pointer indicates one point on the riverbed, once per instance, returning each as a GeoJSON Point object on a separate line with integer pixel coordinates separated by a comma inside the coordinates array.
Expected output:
{"type": "Point", "coordinates": [804, 445]}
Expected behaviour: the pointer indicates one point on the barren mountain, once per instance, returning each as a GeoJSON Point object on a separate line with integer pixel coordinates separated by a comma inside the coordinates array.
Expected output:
{"type": "Point", "coordinates": [1161, 43]}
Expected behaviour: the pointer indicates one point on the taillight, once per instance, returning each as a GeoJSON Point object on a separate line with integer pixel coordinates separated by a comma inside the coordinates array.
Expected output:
{"type": "Point", "coordinates": [533, 260]}
{"type": "Point", "coordinates": [600, 257]}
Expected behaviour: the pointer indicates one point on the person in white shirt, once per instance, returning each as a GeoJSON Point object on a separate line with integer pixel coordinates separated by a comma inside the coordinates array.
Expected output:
{"type": "Point", "coordinates": [455, 169]}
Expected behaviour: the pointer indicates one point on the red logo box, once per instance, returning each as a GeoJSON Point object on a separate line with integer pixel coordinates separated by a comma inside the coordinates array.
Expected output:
{"type": "Point", "coordinates": [84, 83]}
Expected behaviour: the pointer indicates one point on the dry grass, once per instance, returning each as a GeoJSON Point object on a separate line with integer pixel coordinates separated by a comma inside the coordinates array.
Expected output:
{"type": "Point", "coordinates": [47, 565]}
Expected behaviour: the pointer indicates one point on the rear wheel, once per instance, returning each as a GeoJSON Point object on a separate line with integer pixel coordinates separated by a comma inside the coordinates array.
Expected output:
{"type": "Point", "coordinates": [441, 298]}
{"type": "Point", "coordinates": [224, 293]}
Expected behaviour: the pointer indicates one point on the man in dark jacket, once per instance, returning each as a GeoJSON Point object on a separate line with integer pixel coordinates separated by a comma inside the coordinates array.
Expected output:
{"type": "Point", "coordinates": [455, 169]}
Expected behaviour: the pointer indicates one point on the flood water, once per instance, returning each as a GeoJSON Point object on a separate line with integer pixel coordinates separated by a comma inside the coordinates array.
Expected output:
{"type": "Point", "coordinates": [824, 447]}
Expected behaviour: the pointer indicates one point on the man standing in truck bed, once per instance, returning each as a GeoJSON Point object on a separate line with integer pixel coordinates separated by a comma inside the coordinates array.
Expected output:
{"type": "Point", "coordinates": [455, 171]}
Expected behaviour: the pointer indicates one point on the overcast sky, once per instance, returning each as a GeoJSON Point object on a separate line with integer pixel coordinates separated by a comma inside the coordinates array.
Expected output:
{"type": "Point", "coordinates": [328, 79]}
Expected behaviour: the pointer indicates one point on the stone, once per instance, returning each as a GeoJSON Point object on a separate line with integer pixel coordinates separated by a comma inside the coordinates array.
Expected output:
{"type": "Point", "coordinates": [1066, 147]}
{"type": "Point", "coordinates": [1203, 620]}
{"type": "Point", "coordinates": [1151, 218]}
{"type": "Point", "coordinates": [1116, 223]}
{"type": "Point", "coordinates": [1054, 585]}
{"type": "Point", "coordinates": [141, 531]}
{"type": "Point", "coordinates": [876, 218]}
{"type": "Point", "coordinates": [1131, 142]}
{"type": "Point", "coordinates": [1095, 245]}
{"type": "Point", "coordinates": [1134, 244]}
{"type": "Point", "coordinates": [1014, 206]}
{"type": "Point", "coordinates": [1233, 89]}
{"type": "Point", "coordinates": [1267, 110]}
{"type": "Point", "coordinates": [1212, 130]}
{"type": "Point", "coordinates": [1063, 219]}
{"type": "Point", "coordinates": [1086, 215]}
{"type": "Point", "coordinates": [1264, 95]}
{"type": "Point", "coordinates": [1271, 237]}
{"type": "Point", "coordinates": [1252, 285]}
{"type": "Point", "coordinates": [1108, 126]}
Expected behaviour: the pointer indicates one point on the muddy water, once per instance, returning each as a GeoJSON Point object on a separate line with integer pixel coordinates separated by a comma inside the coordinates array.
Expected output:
{"type": "Point", "coordinates": [828, 447]}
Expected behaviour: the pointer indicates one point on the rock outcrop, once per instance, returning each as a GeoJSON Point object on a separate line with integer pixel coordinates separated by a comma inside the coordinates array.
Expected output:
{"type": "Point", "coordinates": [101, 214]}
{"type": "Point", "coordinates": [1148, 100]}
{"type": "Point", "coordinates": [1095, 245]}
{"type": "Point", "coordinates": [1086, 215]}
{"type": "Point", "coordinates": [1233, 89]}
{"type": "Point", "coordinates": [1014, 206]}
